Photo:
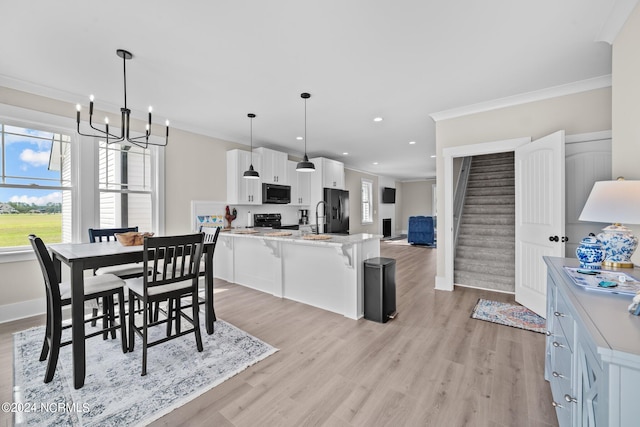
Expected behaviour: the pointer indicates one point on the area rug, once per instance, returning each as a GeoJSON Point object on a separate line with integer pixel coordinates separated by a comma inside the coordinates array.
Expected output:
{"type": "Point", "coordinates": [507, 314]}
{"type": "Point", "coordinates": [115, 394]}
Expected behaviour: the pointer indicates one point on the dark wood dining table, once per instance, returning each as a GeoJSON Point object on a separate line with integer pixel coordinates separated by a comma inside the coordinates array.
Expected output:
{"type": "Point", "coordinates": [88, 256]}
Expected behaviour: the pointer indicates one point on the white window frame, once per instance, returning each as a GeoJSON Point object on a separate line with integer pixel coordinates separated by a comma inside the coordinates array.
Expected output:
{"type": "Point", "coordinates": [85, 196]}
{"type": "Point", "coordinates": [369, 184]}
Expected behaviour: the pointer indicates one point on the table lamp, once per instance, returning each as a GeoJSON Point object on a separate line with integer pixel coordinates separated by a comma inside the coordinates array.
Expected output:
{"type": "Point", "coordinates": [615, 202]}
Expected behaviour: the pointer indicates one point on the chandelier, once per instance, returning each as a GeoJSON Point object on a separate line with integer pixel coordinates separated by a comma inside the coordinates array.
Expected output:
{"type": "Point", "coordinates": [140, 141]}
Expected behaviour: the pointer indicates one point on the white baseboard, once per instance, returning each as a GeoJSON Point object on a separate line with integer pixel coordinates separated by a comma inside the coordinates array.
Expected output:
{"type": "Point", "coordinates": [20, 310]}
{"type": "Point", "coordinates": [441, 284]}
{"type": "Point", "coordinates": [485, 289]}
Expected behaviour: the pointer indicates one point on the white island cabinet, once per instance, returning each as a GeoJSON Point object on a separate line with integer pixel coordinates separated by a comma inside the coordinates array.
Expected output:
{"type": "Point", "coordinates": [328, 274]}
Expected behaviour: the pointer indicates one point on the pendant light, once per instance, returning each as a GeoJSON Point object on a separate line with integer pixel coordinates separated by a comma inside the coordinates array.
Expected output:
{"type": "Point", "coordinates": [251, 174]}
{"type": "Point", "coordinates": [305, 165]}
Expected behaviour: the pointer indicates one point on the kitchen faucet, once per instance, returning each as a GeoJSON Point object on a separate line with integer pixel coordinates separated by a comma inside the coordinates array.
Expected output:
{"type": "Point", "coordinates": [323, 211]}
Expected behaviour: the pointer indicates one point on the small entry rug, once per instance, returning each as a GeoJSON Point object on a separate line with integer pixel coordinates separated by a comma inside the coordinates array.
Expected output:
{"type": "Point", "coordinates": [507, 314]}
{"type": "Point", "coordinates": [114, 393]}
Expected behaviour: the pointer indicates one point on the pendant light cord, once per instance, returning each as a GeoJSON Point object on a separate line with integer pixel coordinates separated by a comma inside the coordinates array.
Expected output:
{"type": "Point", "coordinates": [305, 126]}
{"type": "Point", "coordinates": [124, 73]}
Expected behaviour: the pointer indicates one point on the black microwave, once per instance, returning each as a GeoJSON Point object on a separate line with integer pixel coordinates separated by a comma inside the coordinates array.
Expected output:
{"type": "Point", "coordinates": [275, 193]}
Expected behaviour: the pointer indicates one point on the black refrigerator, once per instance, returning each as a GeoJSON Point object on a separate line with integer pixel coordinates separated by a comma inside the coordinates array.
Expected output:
{"type": "Point", "coordinates": [337, 213]}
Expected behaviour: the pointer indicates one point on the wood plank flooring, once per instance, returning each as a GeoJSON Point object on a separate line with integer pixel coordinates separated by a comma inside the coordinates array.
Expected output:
{"type": "Point", "coordinates": [431, 366]}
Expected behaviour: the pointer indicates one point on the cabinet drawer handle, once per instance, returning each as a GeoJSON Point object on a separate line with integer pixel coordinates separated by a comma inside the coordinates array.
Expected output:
{"type": "Point", "coordinates": [558, 314]}
{"type": "Point", "coordinates": [570, 399]}
{"type": "Point", "coordinates": [557, 375]}
{"type": "Point", "coordinates": [557, 344]}
{"type": "Point", "coordinates": [556, 405]}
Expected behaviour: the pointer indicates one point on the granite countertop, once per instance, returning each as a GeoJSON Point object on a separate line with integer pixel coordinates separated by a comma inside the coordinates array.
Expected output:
{"type": "Point", "coordinates": [296, 236]}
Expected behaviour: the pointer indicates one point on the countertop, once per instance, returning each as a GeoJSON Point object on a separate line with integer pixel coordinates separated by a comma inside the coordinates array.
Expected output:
{"type": "Point", "coordinates": [297, 236]}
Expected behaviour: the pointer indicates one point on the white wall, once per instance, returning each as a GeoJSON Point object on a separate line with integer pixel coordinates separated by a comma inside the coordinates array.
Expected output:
{"type": "Point", "coordinates": [416, 200]}
{"type": "Point", "coordinates": [625, 148]}
{"type": "Point", "coordinates": [388, 210]}
{"type": "Point", "coordinates": [583, 112]}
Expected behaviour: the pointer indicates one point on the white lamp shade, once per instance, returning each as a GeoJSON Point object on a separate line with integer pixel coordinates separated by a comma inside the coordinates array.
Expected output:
{"type": "Point", "coordinates": [613, 202]}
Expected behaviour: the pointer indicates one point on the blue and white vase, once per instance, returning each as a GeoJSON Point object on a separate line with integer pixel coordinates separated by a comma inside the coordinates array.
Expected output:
{"type": "Point", "coordinates": [618, 244]}
{"type": "Point", "coordinates": [590, 253]}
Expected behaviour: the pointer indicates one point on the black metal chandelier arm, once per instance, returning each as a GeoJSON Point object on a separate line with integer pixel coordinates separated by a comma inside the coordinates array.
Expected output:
{"type": "Point", "coordinates": [102, 134]}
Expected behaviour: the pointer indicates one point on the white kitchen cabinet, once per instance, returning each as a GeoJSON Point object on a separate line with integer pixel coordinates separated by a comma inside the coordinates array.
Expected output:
{"type": "Point", "coordinates": [592, 352]}
{"type": "Point", "coordinates": [242, 191]}
{"type": "Point", "coordinates": [300, 185]}
{"type": "Point", "coordinates": [328, 174]}
{"type": "Point", "coordinates": [273, 167]}
{"type": "Point", "coordinates": [332, 172]}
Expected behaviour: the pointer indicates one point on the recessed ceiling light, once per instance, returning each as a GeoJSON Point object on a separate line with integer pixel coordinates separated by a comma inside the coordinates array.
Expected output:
{"type": "Point", "coordinates": [411, 142]}
{"type": "Point", "coordinates": [345, 154]}
{"type": "Point", "coordinates": [433, 156]}
{"type": "Point", "coordinates": [299, 138]}
{"type": "Point", "coordinates": [377, 119]}
{"type": "Point", "coordinates": [375, 163]}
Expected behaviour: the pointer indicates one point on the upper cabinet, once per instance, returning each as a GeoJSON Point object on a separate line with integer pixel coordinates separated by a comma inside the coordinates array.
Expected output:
{"type": "Point", "coordinates": [328, 174]}
{"type": "Point", "coordinates": [331, 171]}
{"type": "Point", "coordinates": [274, 166]}
{"type": "Point", "coordinates": [242, 191]}
{"type": "Point", "coordinates": [300, 185]}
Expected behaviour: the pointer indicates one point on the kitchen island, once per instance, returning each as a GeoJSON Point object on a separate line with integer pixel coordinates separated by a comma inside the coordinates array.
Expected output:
{"type": "Point", "coordinates": [328, 274]}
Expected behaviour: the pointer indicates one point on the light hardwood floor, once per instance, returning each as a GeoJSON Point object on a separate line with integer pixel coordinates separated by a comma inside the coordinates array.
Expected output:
{"type": "Point", "coordinates": [433, 365]}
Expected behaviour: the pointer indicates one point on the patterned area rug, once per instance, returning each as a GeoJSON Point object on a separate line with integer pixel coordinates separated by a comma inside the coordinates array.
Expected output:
{"type": "Point", "coordinates": [114, 393]}
{"type": "Point", "coordinates": [507, 314]}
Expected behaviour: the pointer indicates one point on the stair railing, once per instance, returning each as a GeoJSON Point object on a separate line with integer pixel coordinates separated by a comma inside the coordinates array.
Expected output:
{"type": "Point", "coordinates": [460, 194]}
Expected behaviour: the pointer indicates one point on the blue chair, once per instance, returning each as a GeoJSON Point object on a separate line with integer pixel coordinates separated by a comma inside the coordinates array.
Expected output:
{"type": "Point", "coordinates": [420, 230]}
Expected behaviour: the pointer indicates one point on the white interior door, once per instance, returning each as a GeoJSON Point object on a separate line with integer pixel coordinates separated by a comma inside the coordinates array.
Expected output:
{"type": "Point", "coordinates": [588, 159]}
{"type": "Point", "coordinates": [540, 187]}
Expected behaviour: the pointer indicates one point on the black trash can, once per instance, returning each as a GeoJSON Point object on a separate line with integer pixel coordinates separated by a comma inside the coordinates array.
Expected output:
{"type": "Point", "coordinates": [379, 289]}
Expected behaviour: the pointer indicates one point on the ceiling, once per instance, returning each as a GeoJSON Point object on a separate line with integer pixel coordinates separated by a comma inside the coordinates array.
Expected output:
{"type": "Point", "coordinates": [205, 64]}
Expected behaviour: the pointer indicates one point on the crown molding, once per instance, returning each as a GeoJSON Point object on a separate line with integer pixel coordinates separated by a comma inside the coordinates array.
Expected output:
{"type": "Point", "coordinates": [524, 98]}
{"type": "Point", "coordinates": [619, 14]}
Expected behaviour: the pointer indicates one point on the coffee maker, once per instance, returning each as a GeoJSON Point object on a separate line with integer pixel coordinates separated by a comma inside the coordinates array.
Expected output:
{"type": "Point", "coordinates": [303, 216]}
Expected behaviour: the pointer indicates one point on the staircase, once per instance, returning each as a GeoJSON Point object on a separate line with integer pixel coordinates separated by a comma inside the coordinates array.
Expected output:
{"type": "Point", "coordinates": [485, 250]}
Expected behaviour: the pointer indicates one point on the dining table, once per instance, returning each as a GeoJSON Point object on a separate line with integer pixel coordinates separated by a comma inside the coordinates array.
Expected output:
{"type": "Point", "coordinates": [80, 257]}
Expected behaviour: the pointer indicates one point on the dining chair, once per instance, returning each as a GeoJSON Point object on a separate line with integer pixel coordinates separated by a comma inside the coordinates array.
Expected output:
{"type": "Point", "coordinates": [174, 265]}
{"type": "Point", "coordinates": [124, 271]}
{"type": "Point", "coordinates": [104, 287]}
{"type": "Point", "coordinates": [210, 239]}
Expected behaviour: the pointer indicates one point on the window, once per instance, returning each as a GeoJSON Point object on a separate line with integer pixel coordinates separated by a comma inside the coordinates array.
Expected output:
{"type": "Point", "coordinates": [65, 184]}
{"type": "Point", "coordinates": [35, 185]}
{"type": "Point", "coordinates": [367, 201]}
{"type": "Point", "coordinates": [125, 186]}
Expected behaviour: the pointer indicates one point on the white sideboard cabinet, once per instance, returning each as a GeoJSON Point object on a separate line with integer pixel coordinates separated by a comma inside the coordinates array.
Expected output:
{"type": "Point", "coordinates": [592, 352]}
{"type": "Point", "coordinates": [242, 191]}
